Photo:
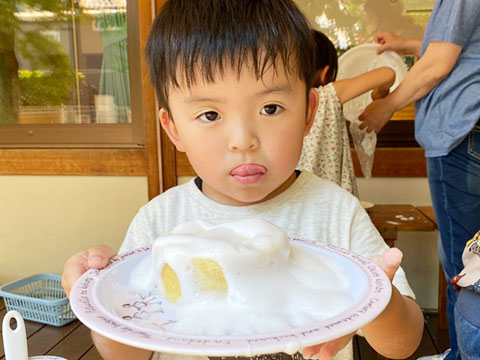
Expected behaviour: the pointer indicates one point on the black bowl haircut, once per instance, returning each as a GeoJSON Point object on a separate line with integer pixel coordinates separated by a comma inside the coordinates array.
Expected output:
{"type": "Point", "coordinates": [200, 38]}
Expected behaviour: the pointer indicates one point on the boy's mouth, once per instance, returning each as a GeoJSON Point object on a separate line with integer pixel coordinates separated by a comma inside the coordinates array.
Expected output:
{"type": "Point", "coordinates": [248, 173]}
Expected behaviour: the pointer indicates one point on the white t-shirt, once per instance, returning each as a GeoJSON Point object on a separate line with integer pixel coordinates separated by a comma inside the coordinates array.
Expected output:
{"type": "Point", "coordinates": [311, 208]}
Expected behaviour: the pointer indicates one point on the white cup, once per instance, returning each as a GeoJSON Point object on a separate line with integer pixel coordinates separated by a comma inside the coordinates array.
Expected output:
{"type": "Point", "coordinates": [15, 341]}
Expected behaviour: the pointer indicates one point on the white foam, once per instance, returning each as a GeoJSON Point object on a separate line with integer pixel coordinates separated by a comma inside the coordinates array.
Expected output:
{"type": "Point", "coordinates": [272, 285]}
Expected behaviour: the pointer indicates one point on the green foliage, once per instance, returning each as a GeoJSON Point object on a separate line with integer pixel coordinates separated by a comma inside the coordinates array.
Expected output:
{"type": "Point", "coordinates": [53, 82]}
{"type": "Point", "coordinates": [40, 88]}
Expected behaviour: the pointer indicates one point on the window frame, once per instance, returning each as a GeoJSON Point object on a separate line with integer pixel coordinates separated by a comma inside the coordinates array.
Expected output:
{"type": "Point", "coordinates": [131, 135]}
{"type": "Point", "coordinates": [131, 159]}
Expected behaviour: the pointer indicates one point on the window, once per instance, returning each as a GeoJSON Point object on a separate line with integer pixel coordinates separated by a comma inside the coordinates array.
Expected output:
{"type": "Point", "coordinates": [352, 22]}
{"type": "Point", "coordinates": [63, 144]}
{"type": "Point", "coordinates": [66, 70]}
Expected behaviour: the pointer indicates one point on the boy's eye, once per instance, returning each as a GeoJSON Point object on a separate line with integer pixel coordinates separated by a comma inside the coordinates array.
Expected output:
{"type": "Point", "coordinates": [271, 109]}
{"type": "Point", "coordinates": [209, 116]}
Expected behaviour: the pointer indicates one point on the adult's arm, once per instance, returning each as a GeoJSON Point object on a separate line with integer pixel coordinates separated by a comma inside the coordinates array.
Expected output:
{"type": "Point", "coordinates": [430, 70]}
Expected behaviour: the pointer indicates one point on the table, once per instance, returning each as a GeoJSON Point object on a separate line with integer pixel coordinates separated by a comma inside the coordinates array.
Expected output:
{"type": "Point", "coordinates": [72, 341]}
{"type": "Point", "coordinates": [391, 218]}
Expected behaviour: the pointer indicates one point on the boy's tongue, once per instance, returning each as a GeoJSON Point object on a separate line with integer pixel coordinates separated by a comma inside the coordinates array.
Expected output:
{"type": "Point", "coordinates": [248, 173]}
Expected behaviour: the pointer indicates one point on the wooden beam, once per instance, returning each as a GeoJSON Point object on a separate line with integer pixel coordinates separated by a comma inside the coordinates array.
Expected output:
{"type": "Point", "coordinates": [395, 162]}
{"type": "Point", "coordinates": [111, 162]}
{"type": "Point", "coordinates": [407, 113]}
{"type": "Point", "coordinates": [149, 106]}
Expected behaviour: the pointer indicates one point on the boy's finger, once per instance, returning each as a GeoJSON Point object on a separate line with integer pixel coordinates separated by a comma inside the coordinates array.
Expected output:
{"type": "Point", "coordinates": [98, 256]}
{"type": "Point", "coordinates": [329, 349]}
{"type": "Point", "coordinates": [308, 352]}
{"type": "Point", "coordinates": [389, 261]}
{"type": "Point", "coordinates": [93, 258]}
{"type": "Point", "coordinates": [74, 267]}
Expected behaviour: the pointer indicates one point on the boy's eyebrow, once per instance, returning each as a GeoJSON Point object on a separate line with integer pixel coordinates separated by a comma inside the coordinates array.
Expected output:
{"type": "Point", "coordinates": [286, 88]}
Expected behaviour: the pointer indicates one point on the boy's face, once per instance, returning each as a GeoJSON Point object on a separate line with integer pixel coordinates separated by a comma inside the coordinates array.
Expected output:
{"type": "Point", "coordinates": [243, 136]}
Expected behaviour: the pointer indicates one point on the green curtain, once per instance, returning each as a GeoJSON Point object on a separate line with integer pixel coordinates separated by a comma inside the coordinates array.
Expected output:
{"type": "Point", "coordinates": [114, 76]}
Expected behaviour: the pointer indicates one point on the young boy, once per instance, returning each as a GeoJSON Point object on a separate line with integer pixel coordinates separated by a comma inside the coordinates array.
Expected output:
{"type": "Point", "coordinates": [234, 80]}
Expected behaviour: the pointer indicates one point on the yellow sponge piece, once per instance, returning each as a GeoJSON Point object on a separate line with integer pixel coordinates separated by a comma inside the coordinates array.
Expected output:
{"type": "Point", "coordinates": [173, 292]}
{"type": "Point", "coordinates": [210, 275]}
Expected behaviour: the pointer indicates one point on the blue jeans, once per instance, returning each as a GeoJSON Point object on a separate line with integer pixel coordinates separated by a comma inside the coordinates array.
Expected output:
{"type": "Point", "coordinates": [455, 190]}
{"type": "Point", "coordinates": [467, 322]}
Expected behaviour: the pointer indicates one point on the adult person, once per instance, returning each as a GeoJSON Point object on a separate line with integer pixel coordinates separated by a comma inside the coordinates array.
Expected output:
{"type": "Point", "coordinates": [445, 83]}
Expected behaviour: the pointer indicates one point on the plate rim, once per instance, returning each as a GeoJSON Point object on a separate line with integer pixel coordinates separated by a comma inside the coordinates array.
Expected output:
{"type": "Point", "coordinates": [94, 315]}
{"type": "Point", "coordinates": [371, 46]}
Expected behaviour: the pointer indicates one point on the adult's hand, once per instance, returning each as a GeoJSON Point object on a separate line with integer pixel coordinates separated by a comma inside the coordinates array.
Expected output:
{"type": "Point", "coordinates": [375, 116]}
{"type": "Point", "coordinates": [391, 41]}
{"type": "Point", "coordinates": [94, 258]}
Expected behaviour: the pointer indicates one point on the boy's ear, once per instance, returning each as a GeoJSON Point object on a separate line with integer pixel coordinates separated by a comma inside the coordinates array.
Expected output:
{"type": "Point", "coordinates": [312, 110]}
{"type": "Point", "coordinates": [169, 126]}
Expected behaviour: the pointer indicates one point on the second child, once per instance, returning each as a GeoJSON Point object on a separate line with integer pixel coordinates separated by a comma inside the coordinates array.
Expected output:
{"type": "Point", "coordinates": [326, 149]}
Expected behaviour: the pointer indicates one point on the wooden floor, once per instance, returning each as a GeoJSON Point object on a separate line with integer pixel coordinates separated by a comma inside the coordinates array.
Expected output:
{"type": "Point", "coordinates": [73, 341]}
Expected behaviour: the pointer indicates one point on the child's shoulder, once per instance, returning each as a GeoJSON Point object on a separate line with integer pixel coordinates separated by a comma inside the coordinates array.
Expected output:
{"type": "Point", "coordinates": [327, 94]}
{"type": "Point", "coordinates": [322, 185]}
{"type": "Point", "coordinates": [330, 193]}
{"type": "Point", "coordinates": [170, 197]}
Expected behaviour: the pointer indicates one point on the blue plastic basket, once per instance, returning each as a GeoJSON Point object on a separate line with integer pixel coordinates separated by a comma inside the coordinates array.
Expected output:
{"type": "Point", "coordinates": [39, 298]}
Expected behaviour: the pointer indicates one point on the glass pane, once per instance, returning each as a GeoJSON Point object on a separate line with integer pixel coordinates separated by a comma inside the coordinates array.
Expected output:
{"type": "Point", "coordinates": [64, 62]}
{"type": "Point", "coordinates": [351, 22]}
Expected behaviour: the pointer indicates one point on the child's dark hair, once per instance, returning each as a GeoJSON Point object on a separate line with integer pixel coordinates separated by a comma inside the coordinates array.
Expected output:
{"type": "Point", "coordinates": [325, 54]}
{"type": "Point", "coordinates": [196, 38]}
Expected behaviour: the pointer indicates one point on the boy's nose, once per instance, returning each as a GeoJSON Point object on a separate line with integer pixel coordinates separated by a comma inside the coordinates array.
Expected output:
{"type": "Point", "coordinates": [242, 137]}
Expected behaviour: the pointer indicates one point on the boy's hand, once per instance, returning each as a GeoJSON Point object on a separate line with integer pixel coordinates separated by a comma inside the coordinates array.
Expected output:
{"type": "Point", "coordinates": [389, 262]}
{"type": "Point", "coordinates": [391, 41]}
{"type": "Point", "coordinates": [94, 258]}
{"type": "Point", "coordinates": [329, 349]}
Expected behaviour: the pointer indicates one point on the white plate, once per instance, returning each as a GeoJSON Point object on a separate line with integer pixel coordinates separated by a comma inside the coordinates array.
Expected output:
{"type": "Point", "coordinates": [95, 297]}
{"type": "Point", "coordinates": [361, 59]}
